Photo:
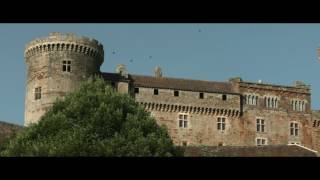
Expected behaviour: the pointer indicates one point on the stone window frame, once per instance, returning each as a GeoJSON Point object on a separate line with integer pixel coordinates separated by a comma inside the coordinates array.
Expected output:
{"type": "Point", "coordinates": [136, 90]}
{"type": "Point", "coordinates": [66, 66]}
{"type": "Point", "coordinates": [298, 105]}
{"type": "Point", "coordinates": [37, 93]}
{"type": "Point", "coordinates": [183, 123]}
{"type": "Point", "coordinates": [251, 99]}
{"type": "Point", "coordinates": [261, 141]}
{"type": "Point", "coordinates": [224, 97]}
{"type": "Point", "coordinates": [271, 101]}
{"type": "Point", "coordinates": [201, 95]}
{"type": "Point", "coordinates": [155, 91]}
{"type": "Point", "coordinates": [316, 123]}
{"type": "Point", "coordinates": [221, 125]}
{"type": "Point", "coordinates": [294, 128]}
{"type": "Point", "coordinates": [261, 125]}
{"type": "Point", "coordinates": [176, 93]}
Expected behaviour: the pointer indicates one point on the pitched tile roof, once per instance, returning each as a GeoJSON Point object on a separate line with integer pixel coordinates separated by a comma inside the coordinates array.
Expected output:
{"type": "Point", "coordinates": [182, 84]}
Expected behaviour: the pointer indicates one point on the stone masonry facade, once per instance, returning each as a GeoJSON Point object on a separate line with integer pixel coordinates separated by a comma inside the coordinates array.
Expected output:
{"type": "Point", "coordinates": [196, 112]}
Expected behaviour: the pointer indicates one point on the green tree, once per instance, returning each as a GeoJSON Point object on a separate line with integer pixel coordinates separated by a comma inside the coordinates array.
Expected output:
{"type": "Point", "coordinates": [93, 121]}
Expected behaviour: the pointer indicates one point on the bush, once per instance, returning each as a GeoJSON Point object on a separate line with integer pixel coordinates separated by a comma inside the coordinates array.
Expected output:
{"type": "Point", "coordinates": [93, 121]}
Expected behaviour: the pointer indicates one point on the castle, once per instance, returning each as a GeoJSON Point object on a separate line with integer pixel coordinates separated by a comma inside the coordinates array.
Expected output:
{"type": "Point", "coordinates": [233, 113]}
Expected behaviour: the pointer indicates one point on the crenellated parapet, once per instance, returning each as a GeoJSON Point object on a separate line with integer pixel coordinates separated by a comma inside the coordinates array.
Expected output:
{"type": "Point", "coordinates": [65, 42]}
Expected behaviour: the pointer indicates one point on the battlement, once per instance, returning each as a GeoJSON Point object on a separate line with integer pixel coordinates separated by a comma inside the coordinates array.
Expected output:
{"type": "Point", "coordinates": [298, 86]}
{"type": "Point", "coordinates": [65, 42]}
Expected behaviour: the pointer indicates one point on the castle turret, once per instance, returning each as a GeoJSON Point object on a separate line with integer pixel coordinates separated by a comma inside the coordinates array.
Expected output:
{"type": "Point", "coordinates": [56, 65]}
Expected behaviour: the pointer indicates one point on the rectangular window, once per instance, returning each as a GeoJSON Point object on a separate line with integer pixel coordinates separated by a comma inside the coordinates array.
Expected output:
{"type": "Point", "coordinates": [201, 95]}
{"type": "Point", "coordinates": [260, 125]}
{"type": "Point", "coordinates": [176, 93]}
{"type": "Point", "coordinates": [66, 66]}
{"type": "Point", "coordinates": [294, 129]}
{"type": "Point", "coordinates": [136, 90]}
{"type": "Point", "coordinates": [183, 120]}
{"type": "Point", "coordinates": [155, 91]}
{"type": "Point", "coordinates": [261, 141]}
{"type": "Point", "coordinates": [184, 143]}
{"type": "Point", "coordinates": [37, 93]}
{"type": "Point", "coordinates": [224, 97]}
{"type": "Point", "coordinates": [221, 124]}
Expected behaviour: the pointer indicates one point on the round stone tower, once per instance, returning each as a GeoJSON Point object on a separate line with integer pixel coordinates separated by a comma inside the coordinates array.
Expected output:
{"type": "Point", "coordinates": [56, 65]}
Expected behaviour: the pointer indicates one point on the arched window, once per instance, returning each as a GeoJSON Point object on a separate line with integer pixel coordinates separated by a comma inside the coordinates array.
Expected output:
{"type": "Point", "coordinates": [272, 102]}
{"type": "Point", "coordinates": [249, 99]}
{"type": "Point", "coordinates": [256, 100]}
{"type": "Point", "coordinates": [295, 105]}
{"type": "Point", "coordinates": [300, 106]}
{"type": "Point", "coordinates": [303, 106]}
{"type": "Point", "coordinates": [265, 101]}
{"type": "Point", "coordinates": [245, 99]}
{"type": "Point", "coordinates": [252, 100]}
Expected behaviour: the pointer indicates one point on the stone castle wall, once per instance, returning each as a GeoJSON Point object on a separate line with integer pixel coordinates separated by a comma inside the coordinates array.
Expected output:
{"type": "Point", "coordinates": [44, 58]}
{"type": "Point", "coordinates": [226, 100]}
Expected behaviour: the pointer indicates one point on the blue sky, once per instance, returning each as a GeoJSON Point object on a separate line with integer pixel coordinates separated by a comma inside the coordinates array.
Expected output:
{"type": "Point", "coordinates": [274, 53]}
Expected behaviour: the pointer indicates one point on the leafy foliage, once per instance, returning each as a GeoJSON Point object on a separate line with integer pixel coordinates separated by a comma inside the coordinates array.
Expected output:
{"type": "Point", "coordinates": [93, 121]}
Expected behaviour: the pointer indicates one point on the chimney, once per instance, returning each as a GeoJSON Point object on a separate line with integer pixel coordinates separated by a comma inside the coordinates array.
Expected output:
{"type": "Point", "coordinates": [122, 70]}
{"type": "Point", "coordinates": [235, 79]}
{"type": "Point", "coordinates": [157, 72]}
{"type": "Point", "coordinates": [301, 84]}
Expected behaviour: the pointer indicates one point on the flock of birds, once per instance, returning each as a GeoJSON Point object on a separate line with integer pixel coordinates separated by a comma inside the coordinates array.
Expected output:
{"type": "Point", "coordinates": [150, 57]}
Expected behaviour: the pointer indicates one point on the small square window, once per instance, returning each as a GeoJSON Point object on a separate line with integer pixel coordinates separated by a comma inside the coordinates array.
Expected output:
{"type": "Point", "coordinates": [201, 95]}
{"type": "Point", "coordinates": [176, 93]}
{"type": "Point", "coordinates": [184, 143]}
{"type": "Point", "coordinates": [155, 91]}
{"type": "Point", "coordinates": [136, 90]}
{"type": "Point", "coordinates": [224, 97]}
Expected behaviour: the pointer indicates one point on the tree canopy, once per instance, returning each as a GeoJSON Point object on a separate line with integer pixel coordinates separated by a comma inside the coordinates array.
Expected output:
{"type": "Point", "coordinates": [93, 121]}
